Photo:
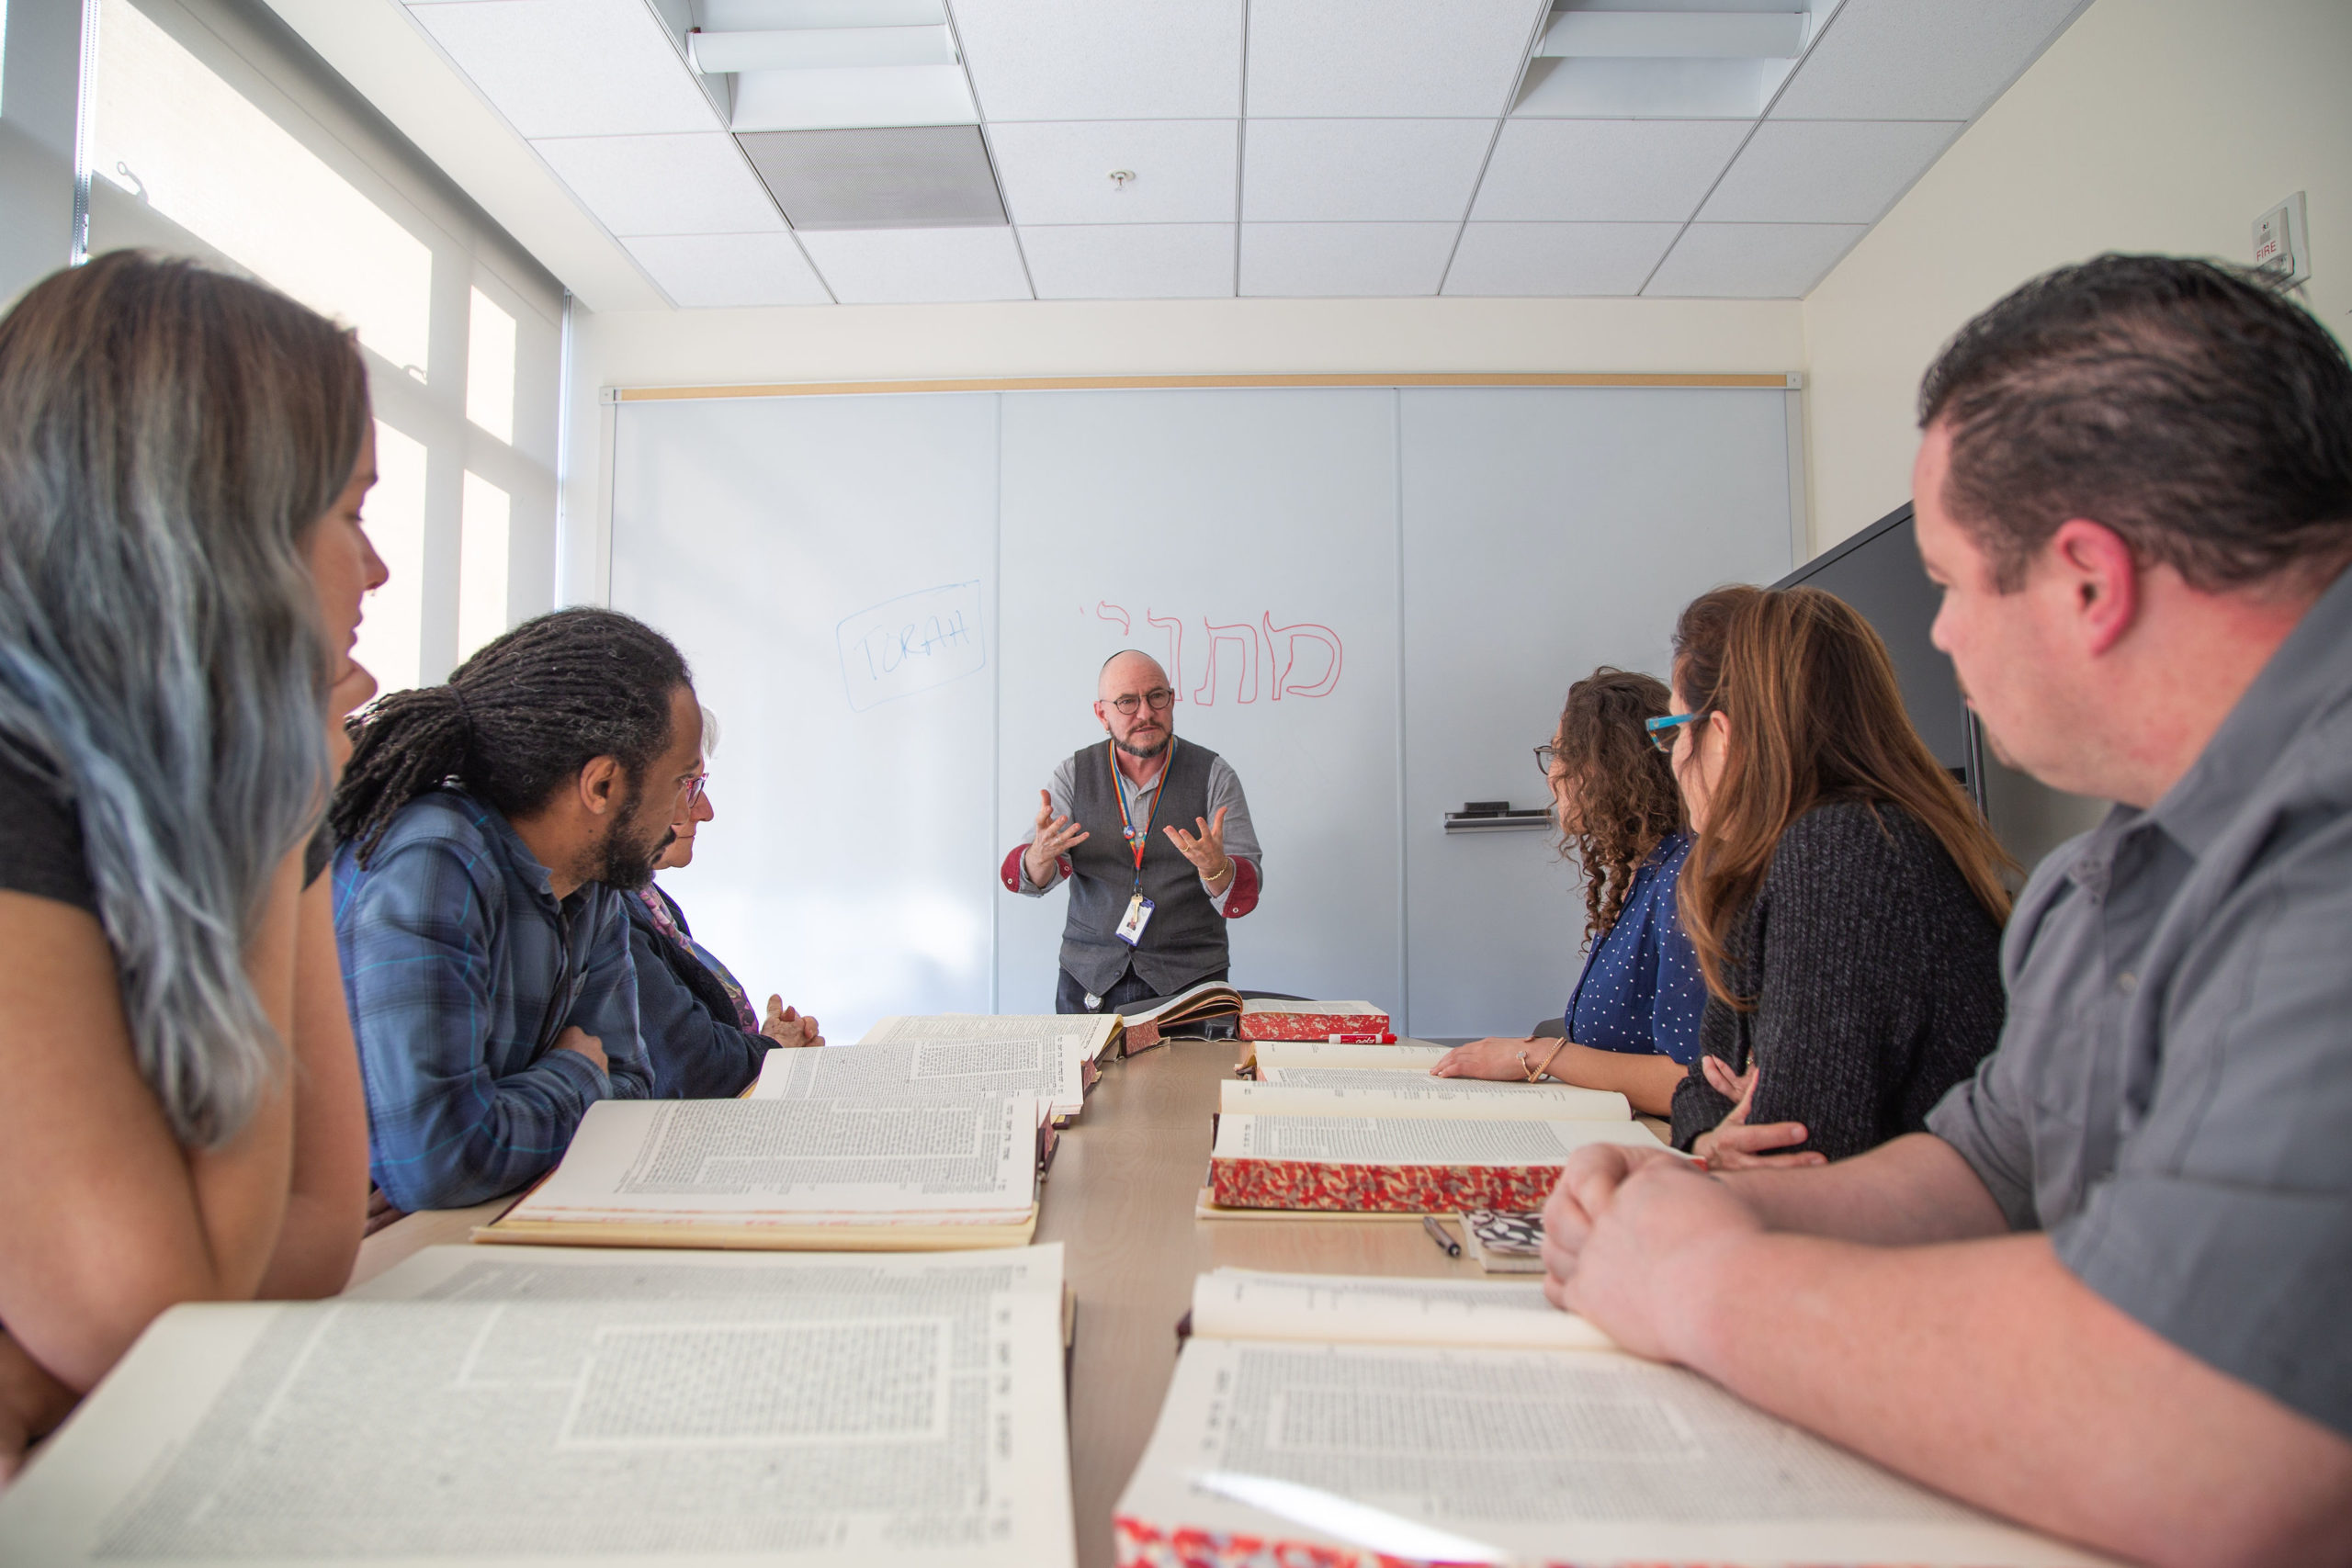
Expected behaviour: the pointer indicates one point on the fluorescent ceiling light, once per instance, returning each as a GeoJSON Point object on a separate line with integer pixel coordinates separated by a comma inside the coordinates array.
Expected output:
{"type": "Point", "coordinates": [756, 16]}
{"type": "Point", "coordinates": [807, 49]}
{"type": "Point", "coordinates": [1681, 35]}
{"type": "Point", "coordinates": [850, 98]}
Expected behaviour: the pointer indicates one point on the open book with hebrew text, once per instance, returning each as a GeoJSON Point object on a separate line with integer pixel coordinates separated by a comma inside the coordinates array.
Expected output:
{"type": "Point", "coordinates": [823, 1175]}
{"type": "Point", "coordinates": [1350, 1091]}
{"type": "Point", "coordinates": [481, 1406]}
{"type": "Point", "coordinates": [1361, 1423]}
{"type": "Point", "coordinates": [1042, 1064]}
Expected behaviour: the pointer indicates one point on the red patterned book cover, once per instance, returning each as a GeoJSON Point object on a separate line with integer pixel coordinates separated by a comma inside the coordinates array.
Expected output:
{"type": "Point", "coordinates": [1142, 1544]}
{"type": "Point", "coordinates": [1248, 1183]}
{"type": "Point", "coordinates": [1310, 1021]}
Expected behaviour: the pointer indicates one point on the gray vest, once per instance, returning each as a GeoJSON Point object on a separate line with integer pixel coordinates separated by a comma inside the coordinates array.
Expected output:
{"type": "Point", "coordinates": [1185, 939]}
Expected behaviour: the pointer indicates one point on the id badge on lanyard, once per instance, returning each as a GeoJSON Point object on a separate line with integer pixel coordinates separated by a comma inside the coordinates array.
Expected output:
{"type": "Point", "coordinates": [1130, 927]}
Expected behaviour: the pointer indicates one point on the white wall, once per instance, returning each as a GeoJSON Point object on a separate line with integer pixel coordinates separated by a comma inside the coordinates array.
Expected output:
{"type": "Point", "coordinates": [2152, 125]}
{"type": "Point", "coordinates": [1177, 337]}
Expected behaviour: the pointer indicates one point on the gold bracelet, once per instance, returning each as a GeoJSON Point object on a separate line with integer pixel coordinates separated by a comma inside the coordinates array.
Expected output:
{"type": "Point", "coordinates": [1537, 1075]}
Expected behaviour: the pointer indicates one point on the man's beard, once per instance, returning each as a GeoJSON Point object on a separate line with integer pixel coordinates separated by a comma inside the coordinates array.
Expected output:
{"type": "Point", "coordinates": [624, 863]}
{"type": "Point", "coordinates": [1145, 752]}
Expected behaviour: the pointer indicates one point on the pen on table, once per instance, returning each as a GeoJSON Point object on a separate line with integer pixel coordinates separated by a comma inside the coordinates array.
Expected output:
{"type": "Point", "coordinates": [1437, 1235]}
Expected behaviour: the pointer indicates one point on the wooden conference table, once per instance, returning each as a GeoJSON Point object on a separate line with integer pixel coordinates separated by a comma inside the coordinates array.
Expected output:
{"type": "Point", "coordinates": [1119, 1199]}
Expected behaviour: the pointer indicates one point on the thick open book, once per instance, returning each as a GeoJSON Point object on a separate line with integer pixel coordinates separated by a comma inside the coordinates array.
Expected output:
{"type": "Point", "coordinates": [1096, 1035]}
{"type": "Point", "coordinates": [1045, 1065]}
{"type": "Point", "coordinates": [1348, 1454]}
{"type": "Point", "coordinates": [1266, 1054]}
{"type": "Point", "coordinates": [821, 1175]}
{"type": "Point", "coordinates": [1365, 1091]}
{"type": "Point", "coordinates": [477, 1407]}
{"type": "Point", "coordinates": [1398, 1165]}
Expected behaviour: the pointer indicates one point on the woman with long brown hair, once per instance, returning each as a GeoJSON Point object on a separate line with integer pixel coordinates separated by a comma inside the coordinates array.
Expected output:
{"type": "Point", "coordinates": [1632, 1024]}
{"type": "Point", "coordinates": [1844, 897]}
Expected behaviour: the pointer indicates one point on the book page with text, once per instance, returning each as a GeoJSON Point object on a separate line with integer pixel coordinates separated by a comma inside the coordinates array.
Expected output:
{"type": "Point", "coordinates": [1327, 1091]}
{"type": "Point", "coordinates": [1328, 1054]}
{"type": "Point", "coordinates": [1095, 1032]}
{"type": "Point", "coordinates": [1041, 1067]}
{"type": "Point", "coordinates": [1546, 1456]}
{"type": "Point", "coordinates": [1244, 1303]}
{"type": "Point", "coordinates": [968, 1159]}
{"type": "Point", "coordinates": [1364, 1140]}
{"type": "Point", "coordinates": [905, 1413]}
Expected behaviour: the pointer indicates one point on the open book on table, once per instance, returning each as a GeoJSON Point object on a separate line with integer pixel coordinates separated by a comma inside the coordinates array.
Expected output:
{"type": "Point", "coordinates": [951, 1063]}
{"type": "Point", "coordinates": [1361, 1423]}
{"type": "Point", "coordinates": [1365, 1091]}
{"type": "Point", "coordinates": [477, 1407]}
{"type": "Point", "coordinates": [804, 1174]}
{"type": "Point", "coordinates": [1098, 1035]}
{"type": "Point", "coordinates": [1398, 1165]}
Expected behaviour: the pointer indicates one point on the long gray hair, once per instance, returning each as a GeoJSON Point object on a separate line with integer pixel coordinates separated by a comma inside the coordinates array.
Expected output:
{"type": "Point", "coordinates": [168, 437]}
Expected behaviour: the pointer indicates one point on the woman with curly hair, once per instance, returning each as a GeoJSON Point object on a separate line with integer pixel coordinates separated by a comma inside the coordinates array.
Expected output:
{"type": "Point", "coordinates": [1631, 1023]}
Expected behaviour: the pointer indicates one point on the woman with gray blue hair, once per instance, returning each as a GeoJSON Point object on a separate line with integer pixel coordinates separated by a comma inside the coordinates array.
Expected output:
{"type": "Point", "coordinates": [183, 455]}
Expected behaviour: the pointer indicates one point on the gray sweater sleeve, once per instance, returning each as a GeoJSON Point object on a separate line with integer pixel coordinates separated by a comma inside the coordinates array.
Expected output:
{"type": "Point", "coordinates": [1876, 980]}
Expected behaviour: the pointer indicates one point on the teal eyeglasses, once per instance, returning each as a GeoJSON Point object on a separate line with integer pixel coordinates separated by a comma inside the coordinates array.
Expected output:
{"type": "Point", "coordinates": [1662, 730]}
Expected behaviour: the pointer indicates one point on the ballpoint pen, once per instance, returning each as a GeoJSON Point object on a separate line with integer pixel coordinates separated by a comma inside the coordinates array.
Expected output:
{"type": "Point", "coordinates": [1437, 1235]}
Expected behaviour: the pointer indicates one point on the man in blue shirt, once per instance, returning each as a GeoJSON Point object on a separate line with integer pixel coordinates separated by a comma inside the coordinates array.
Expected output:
{"type": "Point", "coordinates": [488, 830]}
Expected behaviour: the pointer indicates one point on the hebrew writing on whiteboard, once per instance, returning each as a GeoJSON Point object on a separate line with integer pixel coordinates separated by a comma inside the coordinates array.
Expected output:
{"type": "Point", "coordinates": [1243, 660]}
{"type": "Point", "coordinates": [911, 643]}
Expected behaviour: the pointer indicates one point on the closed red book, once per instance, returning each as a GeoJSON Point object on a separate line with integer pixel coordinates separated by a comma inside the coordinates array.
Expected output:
{"type": "Point", "coordinates": [1377, 1164]}
{"type": "Point", "coordinates": [1310, 1021]}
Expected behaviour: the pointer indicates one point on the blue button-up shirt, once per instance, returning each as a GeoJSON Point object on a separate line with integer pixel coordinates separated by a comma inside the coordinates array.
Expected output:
{"type": "Point", "coordinates": [461, 967]}
{"type": "Point", "coordinates": [1641, 989]}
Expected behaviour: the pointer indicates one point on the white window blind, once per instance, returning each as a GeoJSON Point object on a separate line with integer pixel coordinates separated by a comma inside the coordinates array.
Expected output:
{"type": "Point", "coordinates": [217, 134]}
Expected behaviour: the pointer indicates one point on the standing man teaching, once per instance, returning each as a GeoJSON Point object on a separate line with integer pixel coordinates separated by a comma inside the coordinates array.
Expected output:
{"type": "Point", "coordinates": [1147, 916]}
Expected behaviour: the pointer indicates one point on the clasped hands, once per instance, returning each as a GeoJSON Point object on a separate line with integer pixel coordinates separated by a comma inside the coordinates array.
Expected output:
{"type": "Point", "coordinates": [1055, 836]}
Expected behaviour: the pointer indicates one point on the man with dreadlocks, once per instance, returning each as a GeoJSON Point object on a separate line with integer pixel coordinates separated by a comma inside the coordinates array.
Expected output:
{"type": "Point", "coordinates": [490, 830]}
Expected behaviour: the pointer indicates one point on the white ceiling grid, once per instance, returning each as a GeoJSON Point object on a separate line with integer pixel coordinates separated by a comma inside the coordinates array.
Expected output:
{"type": "Point", "coordinates": [1278, 147]}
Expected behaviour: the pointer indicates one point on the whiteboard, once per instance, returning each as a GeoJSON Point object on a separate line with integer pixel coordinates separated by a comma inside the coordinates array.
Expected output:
{"type": "Point", "coordinates": [1372, 601]}
{"type": "Point", "coordinates": [827, 566]}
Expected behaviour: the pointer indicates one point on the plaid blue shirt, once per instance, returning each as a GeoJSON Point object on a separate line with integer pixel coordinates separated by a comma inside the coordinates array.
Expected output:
{"type": "Point", "coordinates": [461, 967]}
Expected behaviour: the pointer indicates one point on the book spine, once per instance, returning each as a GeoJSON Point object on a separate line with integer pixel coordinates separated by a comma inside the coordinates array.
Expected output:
{"type": "Point", "coordinates": [1312, 1025]}
{"type": "Point", "coordinates": [1378, 1188]}
{"type": "Point", "coordinates": [1141, 1544]}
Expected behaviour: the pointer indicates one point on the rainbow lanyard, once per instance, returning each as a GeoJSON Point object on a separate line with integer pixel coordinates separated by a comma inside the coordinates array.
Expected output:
{"type": "Point", "coordinates": [1136, 842]}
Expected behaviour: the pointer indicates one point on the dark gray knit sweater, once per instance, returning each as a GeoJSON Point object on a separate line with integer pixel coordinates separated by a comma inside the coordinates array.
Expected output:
{"type": "Point", "coordinates": [1877, 982]}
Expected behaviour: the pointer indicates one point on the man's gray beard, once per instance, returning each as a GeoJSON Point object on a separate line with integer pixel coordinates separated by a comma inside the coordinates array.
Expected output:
{"type": "Point", "coordinates": [1145, 752]}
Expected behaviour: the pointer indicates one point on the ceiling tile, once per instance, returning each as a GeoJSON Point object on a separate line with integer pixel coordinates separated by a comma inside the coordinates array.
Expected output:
{"type": "Point", "coordinates": [1910, 60]}
{"type": "Point", "coordinates": [1826, 171]}
{"type": "Point", "coordinates": [852, 97]}
{"type": "Point", "coordinates": [1131, 261]}
{"type": "Point", "coordinates": [1375, 58]}
{"type": "Point", "coordinates": [571, 67]}
{"type": "Point", "coordinates": [914, 266]}
{"type": "Point", "coordinates": [1362, 260]}
{"type": "Point", "coordinates": [908, 177]}
{"type": "Point", "coordinates": [1060, 172]}
{"type": "Point", "coordinates": [1751, 261]}
{"type": "Point", "coordinates": [662, 185]}
{"type": "Point", "coordinates": [1605, 171]}
{"type": "Point", "coordinates": [1087, 59]}
{"type": "Point", "coordinates": [1382, 171]}
{"type": "Point", "coordinates": [1557, 258]}
{"type": "Point", "coordinates": [708, 270]}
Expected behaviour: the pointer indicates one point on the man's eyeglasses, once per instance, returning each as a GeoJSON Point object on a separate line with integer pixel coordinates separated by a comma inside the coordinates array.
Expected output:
{"type": "Point", "coordinates": [1159, 697]}
{"type": "Point", "coordinates": [692, 791]}
{"type": "Point", "coordinates": [1662, 730]}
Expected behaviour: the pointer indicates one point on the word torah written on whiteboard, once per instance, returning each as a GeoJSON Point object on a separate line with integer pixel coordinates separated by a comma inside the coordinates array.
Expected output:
{"type": "Point", "coordinates": [911, 643]}
{"type": "Point", "coordinates": [1248, 658]}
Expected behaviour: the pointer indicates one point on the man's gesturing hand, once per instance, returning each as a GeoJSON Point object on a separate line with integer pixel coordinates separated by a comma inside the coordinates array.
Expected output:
{"type": "Point", "coordinates": [1623, 1234]}
{"type": "Point", "coordinates": [1207, 852]}
{"type": "Point", "coordinates": [1054, 836]}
